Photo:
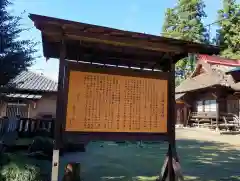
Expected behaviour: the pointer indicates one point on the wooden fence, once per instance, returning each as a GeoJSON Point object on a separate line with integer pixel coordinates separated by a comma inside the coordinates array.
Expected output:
{"type": "Point", "coordinates": [26, 127]}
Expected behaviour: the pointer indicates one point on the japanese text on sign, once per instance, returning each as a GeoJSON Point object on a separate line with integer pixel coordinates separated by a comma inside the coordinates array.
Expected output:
{"type": "Point", "coordinates": [114, 103]}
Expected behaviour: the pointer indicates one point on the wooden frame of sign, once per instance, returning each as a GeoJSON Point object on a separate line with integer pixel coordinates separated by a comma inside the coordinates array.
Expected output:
{"type": "Point", "coordinates": [98, 99]}
{"type": "Point", "coordinates": [112, 103]}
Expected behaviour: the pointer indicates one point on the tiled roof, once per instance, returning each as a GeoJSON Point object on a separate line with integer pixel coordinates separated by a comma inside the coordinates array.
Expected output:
{"type": "Point", "coordinates": [31, 81]}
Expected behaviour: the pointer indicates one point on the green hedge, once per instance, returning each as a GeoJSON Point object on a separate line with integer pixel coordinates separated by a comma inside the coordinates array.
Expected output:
{"type": "Point", "coordinates": [16, 167]}
{"type": "Point", "coordinates": [20, 167]}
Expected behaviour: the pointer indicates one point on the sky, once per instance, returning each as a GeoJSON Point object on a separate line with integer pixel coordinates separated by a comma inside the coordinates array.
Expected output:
{"type": "Point", "coordinates": [145, 16]}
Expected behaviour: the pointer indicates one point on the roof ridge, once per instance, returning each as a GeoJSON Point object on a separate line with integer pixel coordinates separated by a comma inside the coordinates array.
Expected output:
{"type": "Point", "coordinates": [41, 75]}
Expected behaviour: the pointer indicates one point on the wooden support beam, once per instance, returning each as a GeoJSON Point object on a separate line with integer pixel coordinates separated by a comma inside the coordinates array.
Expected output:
{"type": "Point", "coordinates": [217, 113]}
{"type": "Point", "coordinates": [60, 96]}
{"type": "Point", "coordinates": [219, 95]}
{"type": "Point", "coordinates": [59, 113]}
{"type": "Point", "coordinates": [172, 117]}
{"type": "Point", "coordinates": [75, 50]}
{"type": "Point", "coordinates": [176, 172]}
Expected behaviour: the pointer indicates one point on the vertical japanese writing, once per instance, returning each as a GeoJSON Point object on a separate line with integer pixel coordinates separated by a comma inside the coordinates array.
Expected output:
{"type": "Point", "coordinates": [117, 103]}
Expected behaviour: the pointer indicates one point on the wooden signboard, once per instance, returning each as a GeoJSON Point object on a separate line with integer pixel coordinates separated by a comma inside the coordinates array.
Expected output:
{"type": "Point", "coordinates": [110, 103]}
{"type": "Point", "coordinates": [103, 102]}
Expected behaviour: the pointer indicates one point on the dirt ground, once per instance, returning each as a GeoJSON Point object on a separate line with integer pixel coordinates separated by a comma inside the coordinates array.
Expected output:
{"type": "Point", "coordinates": [204, 134]}
{"type": "Point", "coordinates": [204, 156]}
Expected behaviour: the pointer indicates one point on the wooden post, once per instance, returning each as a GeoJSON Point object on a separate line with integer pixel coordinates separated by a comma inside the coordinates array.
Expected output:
{"type": "Point", "coordinates": [59, 113]}
{"type": "Point", "coordinates": [171, 168]}
{"type": "Point", "coordinates": [167, 170]}
{"type": "Point", "coordinates": [238, 114]}
{"type": "Point", "coordinates": [217, 113]}
{"type": "Point", "coordinates": [60, 97]}
{"type": "Point", "coordinates": [172, 119]}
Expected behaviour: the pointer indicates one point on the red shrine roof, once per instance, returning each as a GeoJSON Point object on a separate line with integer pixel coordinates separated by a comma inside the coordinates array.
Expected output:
{"type": "Point", "coordinates": [219, 60]}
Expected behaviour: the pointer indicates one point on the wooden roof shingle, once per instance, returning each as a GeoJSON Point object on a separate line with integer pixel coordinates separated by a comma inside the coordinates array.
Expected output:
{"type": "Point", "coordinates": [216, 74]}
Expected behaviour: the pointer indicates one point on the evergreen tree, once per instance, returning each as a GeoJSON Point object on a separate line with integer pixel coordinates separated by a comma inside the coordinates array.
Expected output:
{"type": "Point", "coordinates": [170, 24]}
{"type": "Point", "coordinates": [228, 36]}
{"type": "Point", "coordinates": [15, 55]}
{"type": "Point", "coordinates": [184, 22]}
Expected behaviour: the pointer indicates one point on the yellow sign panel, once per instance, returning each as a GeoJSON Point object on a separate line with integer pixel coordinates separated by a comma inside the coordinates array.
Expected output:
{"type": "Point", "coordinates": [114, 103]}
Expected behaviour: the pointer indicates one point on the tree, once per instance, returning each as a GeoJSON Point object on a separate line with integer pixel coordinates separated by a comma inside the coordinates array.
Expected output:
{"type": "Point", "coordinates": [185, 22]}
{"type": "Point", "coordinates": [15, 55]}
{"type": "Point", "coordinates": [228, 36]}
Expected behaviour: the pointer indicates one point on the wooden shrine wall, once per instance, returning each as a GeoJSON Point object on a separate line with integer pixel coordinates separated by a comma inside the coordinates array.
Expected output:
{"type": "Point", "coordinates": [99, 102]}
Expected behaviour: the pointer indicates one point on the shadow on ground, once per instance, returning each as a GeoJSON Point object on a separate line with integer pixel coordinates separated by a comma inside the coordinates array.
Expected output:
{"type": "Point", "coordinates": [203, 160]}
{"type": "Point", "coordinates": [200, 160]}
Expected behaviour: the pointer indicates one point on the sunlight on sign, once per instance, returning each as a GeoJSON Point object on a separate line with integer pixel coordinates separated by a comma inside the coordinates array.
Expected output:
{"type": "Point", "coordinates": [113, 103]}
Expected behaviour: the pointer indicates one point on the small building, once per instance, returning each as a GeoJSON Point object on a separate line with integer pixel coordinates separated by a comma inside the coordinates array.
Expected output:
{"type": "Point", "coordinates": [33, 96]}
{"type": "Point", "coordinates": [212, 88]}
